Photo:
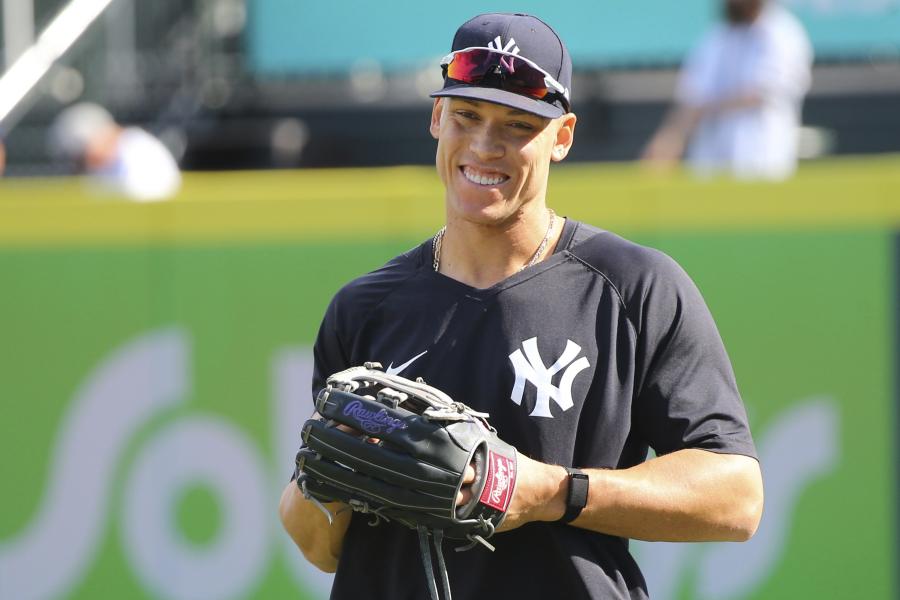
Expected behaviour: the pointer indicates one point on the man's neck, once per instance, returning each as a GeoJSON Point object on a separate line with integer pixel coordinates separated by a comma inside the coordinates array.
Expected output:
{"type": "Point", "coordinates": [484, 255]}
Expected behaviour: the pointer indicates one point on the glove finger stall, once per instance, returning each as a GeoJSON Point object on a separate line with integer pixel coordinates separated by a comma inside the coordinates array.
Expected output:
{"type": "Point", "coordinates": [325, 492]}
{"type": "Point", "coordinates": [380, 462]}
{"type": "Point", "coordinates": [370, 488]}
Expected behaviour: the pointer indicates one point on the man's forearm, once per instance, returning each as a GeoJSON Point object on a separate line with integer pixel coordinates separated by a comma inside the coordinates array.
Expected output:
{"type": "Point", "coordinates": [735, 102]}
{"type": "Point", "coordinates": [668, 143]}
{"type": "Point", "coordinates": [686, 496]}
{"type": "Point", "coordinates": [319, 540]}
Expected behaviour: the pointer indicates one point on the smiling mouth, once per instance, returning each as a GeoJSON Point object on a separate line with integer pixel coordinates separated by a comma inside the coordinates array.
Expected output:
{"type": "Point", "coordinates": [482, 178]}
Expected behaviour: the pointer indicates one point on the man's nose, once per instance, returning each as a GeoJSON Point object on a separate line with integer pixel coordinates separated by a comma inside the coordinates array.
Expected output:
{"type": "Point", "coordinates": [486, 143]}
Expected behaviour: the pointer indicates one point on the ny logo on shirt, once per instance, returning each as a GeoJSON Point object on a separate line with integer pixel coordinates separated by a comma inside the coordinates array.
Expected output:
{"type": "Point", "coordinates": [529, 366]}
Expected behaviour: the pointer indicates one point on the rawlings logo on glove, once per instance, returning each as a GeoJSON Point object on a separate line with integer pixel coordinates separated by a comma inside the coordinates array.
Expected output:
{"type": "Point", "coordinates": [498, 482]}
{"type": "Point", "coordinates": [371, 421]}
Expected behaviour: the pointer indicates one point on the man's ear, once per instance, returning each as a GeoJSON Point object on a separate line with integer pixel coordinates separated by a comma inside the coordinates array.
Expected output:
{"type": "Point", "coordinates": [565, 136]}
{"type": "Point", "coordinates": [436, 111]}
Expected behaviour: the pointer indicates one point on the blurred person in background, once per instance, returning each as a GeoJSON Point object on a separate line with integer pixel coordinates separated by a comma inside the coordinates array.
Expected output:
{"type": "Point", "coordinates": [2, 157]}
{"type": "Point", "coordinates": [125, 160]}
{"type": "Point", "coordinates": [739, 96]}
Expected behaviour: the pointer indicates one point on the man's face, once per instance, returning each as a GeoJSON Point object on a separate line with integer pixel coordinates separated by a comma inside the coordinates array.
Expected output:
{"type": "Point", "coordinates": [494, 160]}
{"type": "Point", "coordinates": [742, 12]}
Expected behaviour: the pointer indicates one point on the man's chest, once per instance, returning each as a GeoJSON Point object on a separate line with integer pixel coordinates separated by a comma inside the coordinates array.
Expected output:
{"type": "Point", "coordinates": [539, 365]}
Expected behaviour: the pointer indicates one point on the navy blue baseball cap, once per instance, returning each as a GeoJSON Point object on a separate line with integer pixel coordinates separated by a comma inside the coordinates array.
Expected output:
{"type": "Point", "coordinates": [484, 60]}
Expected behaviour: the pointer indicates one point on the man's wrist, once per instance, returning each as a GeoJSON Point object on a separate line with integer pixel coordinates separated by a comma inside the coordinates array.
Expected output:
{"type": "Point", "coordinates": [555, 504]}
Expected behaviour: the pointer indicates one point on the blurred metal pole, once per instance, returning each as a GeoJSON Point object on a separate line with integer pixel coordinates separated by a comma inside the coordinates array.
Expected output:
{"type": "Point", "coordinates": [121, 57]}
{"type": "Point", "coordinates": [29, 68]}
{"type": "Point", "coordinates": [18, 28]}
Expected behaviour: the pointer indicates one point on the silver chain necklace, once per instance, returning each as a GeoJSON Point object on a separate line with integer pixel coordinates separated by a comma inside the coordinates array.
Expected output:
{"type": "Point", "coordinates": [438, 240]}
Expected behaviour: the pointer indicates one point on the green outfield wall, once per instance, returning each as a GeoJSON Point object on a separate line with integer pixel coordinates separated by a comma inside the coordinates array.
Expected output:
{"type": "Point", "coordinates": [155, 361]}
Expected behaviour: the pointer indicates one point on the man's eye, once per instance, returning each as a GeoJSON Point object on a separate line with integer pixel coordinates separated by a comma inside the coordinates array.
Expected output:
{"type": "Point", "coordinates": [466, 114]}
{"type": "Point", "coordinates": [522, 125]}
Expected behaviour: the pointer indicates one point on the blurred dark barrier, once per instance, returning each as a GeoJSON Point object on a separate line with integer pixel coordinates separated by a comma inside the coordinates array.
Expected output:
{"type": "Point", "coordinates": [607, 131]}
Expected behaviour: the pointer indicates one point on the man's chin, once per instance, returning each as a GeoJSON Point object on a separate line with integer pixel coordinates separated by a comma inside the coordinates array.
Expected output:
{"type": "Point", "coordinates": [487, 214]}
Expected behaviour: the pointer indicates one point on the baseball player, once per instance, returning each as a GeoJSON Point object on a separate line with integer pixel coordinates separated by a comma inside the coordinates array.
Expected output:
{"type": "Point", "coordinates": [586, 349]}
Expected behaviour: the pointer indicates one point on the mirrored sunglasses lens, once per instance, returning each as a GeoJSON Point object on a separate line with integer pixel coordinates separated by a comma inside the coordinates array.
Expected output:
{"type": "Point", "coordinates": [512, 74]}
{"type": "Point", "coordinates": [470, 66]}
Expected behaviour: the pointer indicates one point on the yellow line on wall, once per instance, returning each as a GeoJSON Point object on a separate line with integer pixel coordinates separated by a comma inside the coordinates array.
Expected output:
{"type": "Point", "coordinates": [386, 202]}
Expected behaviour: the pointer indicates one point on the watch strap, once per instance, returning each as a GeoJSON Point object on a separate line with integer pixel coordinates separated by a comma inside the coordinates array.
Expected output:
{"type": "Point", "coordinates": [577, 494]}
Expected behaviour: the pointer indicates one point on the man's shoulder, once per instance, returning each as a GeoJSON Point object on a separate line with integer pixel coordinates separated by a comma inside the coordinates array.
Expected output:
{"type": "Point", "coordinates": [367, 291]}
{"type": "Point", "coordinates": [783, 30]}
{"type": "Point", "coordinates": [776, 15]}
{"type": "Point", "coordinates": [628, 266]}
{"type": "Point", "coordinates": [614, 255]}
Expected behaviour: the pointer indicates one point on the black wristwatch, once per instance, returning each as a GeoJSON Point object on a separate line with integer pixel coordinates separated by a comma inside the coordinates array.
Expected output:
{"type": "Point", "coordinates": [577, 495]}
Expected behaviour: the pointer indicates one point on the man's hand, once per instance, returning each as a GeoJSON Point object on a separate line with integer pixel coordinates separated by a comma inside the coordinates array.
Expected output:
{"type": "Point", "coordinates": [539, 496]}
{"type": "Point", "coordinates": [319, 540]}
{"type": "Point", "coordinates": [465, 492]}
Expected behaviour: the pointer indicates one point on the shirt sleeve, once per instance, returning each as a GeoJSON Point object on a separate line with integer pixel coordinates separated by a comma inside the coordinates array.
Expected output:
{"type": "Point", "coordinates": [688, 396]}
{"type": "Point", "coordinates": [697, 79]}
{"type": "Point", "coordinates": [328, 352]}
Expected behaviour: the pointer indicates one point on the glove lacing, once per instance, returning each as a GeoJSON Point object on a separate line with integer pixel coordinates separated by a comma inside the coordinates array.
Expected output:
{"type": "Point", "coordinates": [425, 549]}
{"type": "Point", "coordinates": [438, 535]}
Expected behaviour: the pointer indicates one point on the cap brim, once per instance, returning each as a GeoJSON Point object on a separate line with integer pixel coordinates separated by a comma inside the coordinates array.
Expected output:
{"type": "Point", "coordinates": [498, 96]}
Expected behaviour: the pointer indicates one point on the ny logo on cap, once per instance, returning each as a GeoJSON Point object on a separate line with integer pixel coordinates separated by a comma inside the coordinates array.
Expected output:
{"type": "Point", "coordinates": [497, 44]}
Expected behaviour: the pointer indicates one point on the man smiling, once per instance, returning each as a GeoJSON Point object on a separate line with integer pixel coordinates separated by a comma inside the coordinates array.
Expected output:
{"type": "Point", "coordinates": [586, 349]}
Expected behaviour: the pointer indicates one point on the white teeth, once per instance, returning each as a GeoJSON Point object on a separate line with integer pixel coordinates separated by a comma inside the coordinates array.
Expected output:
{"type": "Point", "coordinates": [475, 177]}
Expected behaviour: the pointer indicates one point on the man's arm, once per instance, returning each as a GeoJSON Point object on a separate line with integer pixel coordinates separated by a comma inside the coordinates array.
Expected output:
{"type": "Point", "coordinates": [319, 541]}
{"type": "Point", "coordinates": [667, 145]}
{"type": "Point", "coordinates": [686, 496]}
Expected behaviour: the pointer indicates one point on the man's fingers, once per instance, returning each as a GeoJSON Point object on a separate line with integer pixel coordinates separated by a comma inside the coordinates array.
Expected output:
{"type": "Point", "coordinates": [358, 433]}
{"type": "Point", "coordinates": [465, 493]}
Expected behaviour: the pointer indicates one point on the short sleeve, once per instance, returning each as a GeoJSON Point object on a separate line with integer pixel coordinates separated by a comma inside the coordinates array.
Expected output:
{"type": "Point", "coordinates": [688, 397]}
{"type": "Point", "coordinates": [697, 80]}
{"type": "Point", "coordinates": [328, 352]}
{"type": "Point", "coordinates": [328, 357]}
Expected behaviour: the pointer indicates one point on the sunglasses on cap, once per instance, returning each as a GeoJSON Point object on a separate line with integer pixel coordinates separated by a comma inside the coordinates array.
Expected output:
{"type": "Point", "coordinates": [504, 70]}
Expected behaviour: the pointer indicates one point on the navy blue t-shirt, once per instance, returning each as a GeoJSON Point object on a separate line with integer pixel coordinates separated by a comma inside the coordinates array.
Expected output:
{"type": "Point", "coordinates": [587, 359]}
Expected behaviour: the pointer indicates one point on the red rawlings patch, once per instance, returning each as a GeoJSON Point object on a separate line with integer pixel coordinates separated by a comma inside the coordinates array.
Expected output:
{"type": "Point", "coordinates": [501, 478]}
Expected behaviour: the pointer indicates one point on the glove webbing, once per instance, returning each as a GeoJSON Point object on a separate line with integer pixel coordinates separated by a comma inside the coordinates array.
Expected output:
{"type": "Point", "coordinates": [425, 548]}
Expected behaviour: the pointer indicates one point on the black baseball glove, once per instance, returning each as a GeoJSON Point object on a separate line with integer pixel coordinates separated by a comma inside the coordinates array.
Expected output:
{"type": "Point", "coordinates": [398, 450]}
